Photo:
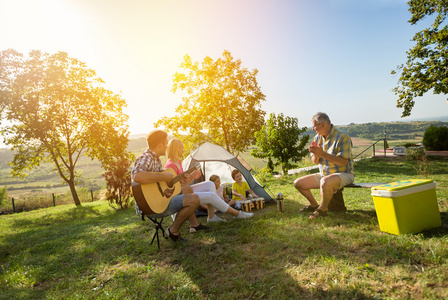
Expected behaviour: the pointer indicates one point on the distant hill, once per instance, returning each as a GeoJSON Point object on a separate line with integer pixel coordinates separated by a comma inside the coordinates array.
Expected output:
{"type": "Point", "coordinates": [397, 130]}
{"type": "Point", "coordinates": [441, 119]}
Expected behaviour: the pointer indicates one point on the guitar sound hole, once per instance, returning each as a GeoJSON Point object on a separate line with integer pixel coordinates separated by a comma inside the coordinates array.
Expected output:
{"type": "Point", "coordinates": [169, 192]}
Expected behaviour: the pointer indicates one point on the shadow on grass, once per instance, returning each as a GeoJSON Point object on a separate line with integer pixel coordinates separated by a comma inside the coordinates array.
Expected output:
{"type": "Point", "coordinates": [89, 254]}
{"type": "Point", "coordinates": [75, 213]}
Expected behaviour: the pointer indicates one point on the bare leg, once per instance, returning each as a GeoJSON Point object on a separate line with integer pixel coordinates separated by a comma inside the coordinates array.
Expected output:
{"type": "Point", "coordinates": [304, 185]}
{"type": "Point", "coordinates": [190, 203]}
{"type": "Point", "coordinates": [232, 211]}
{"type": "Point", "coordinates": [328, 186]}
{"type": "Point", "coordinates": [210, 211]}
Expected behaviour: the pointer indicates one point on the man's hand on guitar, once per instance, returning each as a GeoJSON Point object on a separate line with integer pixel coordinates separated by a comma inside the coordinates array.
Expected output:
{"type": "Point", "coordinates": [167, 177]}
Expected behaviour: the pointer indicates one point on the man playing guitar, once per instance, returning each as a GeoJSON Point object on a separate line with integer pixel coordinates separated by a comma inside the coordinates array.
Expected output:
{"type": "Point", "coordinates": [148, 170]}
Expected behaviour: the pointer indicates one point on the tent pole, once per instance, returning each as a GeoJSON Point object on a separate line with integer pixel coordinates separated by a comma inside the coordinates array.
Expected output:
{"type": "Point", "coordinates": [203, 166]}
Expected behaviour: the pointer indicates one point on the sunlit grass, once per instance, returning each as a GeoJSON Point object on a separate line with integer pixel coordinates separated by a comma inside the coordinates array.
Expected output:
{"type": "Point", "coordinates": [95, 252]}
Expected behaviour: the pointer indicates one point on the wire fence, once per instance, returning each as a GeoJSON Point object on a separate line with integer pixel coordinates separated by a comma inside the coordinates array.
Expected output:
{"type": "Point", "coordinates": [18, 204]}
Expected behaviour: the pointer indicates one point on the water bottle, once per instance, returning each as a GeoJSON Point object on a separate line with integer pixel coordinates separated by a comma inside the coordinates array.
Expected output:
{"type": "Point", "coordinates": [280, 203]}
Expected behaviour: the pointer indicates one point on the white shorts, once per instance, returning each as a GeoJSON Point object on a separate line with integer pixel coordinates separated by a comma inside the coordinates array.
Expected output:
{"type": "Point", "coordinates": [346, 178]}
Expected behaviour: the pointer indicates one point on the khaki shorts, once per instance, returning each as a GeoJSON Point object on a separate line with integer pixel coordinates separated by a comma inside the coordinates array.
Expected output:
{"type": "Point", "coordinates": [346, 178]}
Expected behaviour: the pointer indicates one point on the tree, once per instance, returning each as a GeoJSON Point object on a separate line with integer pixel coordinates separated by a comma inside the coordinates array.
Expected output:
{"type": "Point", "coordinates": [118, 182]}
{"type": "Point", "coordinates": [57, 110]}
{"type": "Point", "coordinates": [426, 67]}
{"type": "Point", "coordinates": [280, 139]}
{"type": "Point", "coordinates": [222, 104]}
{"type": "Point", "coordinates": [436, 138]}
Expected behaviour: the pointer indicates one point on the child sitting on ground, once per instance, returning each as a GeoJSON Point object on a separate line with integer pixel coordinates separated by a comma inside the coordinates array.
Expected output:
{"type": "Point", "coordinates": [240, 187]}
{"type": "Point", "coordinates": [221, 190]}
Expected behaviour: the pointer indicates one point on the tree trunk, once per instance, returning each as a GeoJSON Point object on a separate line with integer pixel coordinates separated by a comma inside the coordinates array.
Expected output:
{"type": "Point", "coordinates": [71, 184]}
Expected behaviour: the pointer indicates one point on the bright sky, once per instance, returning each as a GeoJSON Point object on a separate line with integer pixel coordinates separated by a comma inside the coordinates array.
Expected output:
{"type": "Point", "coordinates": [334, 56]}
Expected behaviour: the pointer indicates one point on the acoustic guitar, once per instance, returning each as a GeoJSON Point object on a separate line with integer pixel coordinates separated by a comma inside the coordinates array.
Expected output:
{"type": "Point", "coordinates": [154, 198]}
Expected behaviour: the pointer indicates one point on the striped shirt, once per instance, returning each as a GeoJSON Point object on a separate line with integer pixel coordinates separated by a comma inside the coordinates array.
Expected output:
{"type": "Point", "coordinates": [149, 161]}
{"type": "Point", "coordinates": [340, 144]}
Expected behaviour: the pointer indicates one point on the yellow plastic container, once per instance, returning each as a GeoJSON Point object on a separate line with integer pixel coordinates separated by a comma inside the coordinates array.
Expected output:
{"type": "Point", "coordinates": [407, 206]}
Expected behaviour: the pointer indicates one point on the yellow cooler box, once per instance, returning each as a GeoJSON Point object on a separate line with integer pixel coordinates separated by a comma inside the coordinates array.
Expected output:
{"type": "Point", "coordinates": [407, 206]}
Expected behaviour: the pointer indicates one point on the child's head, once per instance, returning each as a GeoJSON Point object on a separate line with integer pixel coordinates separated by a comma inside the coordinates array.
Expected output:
{"type": "Point", "coordinates": [215, 179]}
{"type": "Point", "coordinates": [175, 149]}
{"type": "Point", "coordinates": [236, 175]}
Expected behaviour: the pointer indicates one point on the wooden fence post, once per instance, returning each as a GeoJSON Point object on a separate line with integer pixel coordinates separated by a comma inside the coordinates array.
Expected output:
{"type": "Point", "coordinates": [91, 193]}
{"type": "Point", "coordinates": [13, 205]}
{"type": "Point", "coordinates": [54, 200]}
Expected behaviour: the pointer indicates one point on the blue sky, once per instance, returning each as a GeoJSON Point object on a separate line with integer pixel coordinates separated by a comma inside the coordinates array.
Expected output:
{"type": "Point", "coordinates": [334, 56]}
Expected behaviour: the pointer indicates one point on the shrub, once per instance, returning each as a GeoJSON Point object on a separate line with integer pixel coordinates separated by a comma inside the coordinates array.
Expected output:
{"type": "Point", "coordinates": [436, 138]}
{"type": "Point", "coordinates": [263, 174]}
{"type": "Point", "coordinates": [118, 183]}
{"type": "Point", "coordinates": [415, 153]}
{"type": "Point", "coordinates": [3, 195]}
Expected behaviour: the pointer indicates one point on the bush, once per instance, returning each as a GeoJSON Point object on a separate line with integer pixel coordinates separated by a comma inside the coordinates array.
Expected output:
{"type": "Point", "coordinates": [118, 183]}
{"type": "Point", "coordinates": [415, 153]}
{"type": "Point", "coordinates": [263, 174]}
{"type": "Point", "coordinates": [3, 195]}
{"type": "Point", "coordinates": [436, 138]}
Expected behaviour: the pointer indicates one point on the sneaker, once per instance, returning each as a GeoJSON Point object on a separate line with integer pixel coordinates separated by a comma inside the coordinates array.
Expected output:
{"type": "Point", "coordinates": [244, 215]}
{"type": "Point", "coordinates": [197, 228]}
{"type": "Point", "coordinates": [174, 238]}
{"type": "Point", "coordinates": [215, 218]}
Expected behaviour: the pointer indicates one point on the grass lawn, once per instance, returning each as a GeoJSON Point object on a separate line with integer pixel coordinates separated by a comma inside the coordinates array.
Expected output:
{"type": "Point", "coordinates": [95, 252]}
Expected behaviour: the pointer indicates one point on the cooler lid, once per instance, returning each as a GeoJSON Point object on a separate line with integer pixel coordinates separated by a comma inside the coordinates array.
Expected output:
{"type": "Point", "coordinates": [401, 185]}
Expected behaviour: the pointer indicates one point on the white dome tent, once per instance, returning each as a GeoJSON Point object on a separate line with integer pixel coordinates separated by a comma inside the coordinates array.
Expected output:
{"type": "Point", "coordinates": [215, 160]}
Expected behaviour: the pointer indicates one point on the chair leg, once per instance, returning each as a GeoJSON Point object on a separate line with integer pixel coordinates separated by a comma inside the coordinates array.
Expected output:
{"type": "Point", "coordinates": [158, 226]}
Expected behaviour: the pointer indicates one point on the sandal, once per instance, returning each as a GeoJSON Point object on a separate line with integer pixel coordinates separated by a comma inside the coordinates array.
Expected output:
{"type": "Point", "coordinates": [318, 214]}
{"type": "Point", "coordinates": [308, 208]}
{"type": "Point", "coordinates": [174, 238]}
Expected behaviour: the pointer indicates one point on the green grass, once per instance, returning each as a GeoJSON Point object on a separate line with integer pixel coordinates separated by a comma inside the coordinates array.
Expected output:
{"type": "Point", "coordinates": [95, 252]}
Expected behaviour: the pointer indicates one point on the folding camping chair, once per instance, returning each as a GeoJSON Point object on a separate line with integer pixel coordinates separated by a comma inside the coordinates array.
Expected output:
{"type": "Point", "coordinates": [158, 226]}
{"type": "Point", "coordinates": [144, 208]}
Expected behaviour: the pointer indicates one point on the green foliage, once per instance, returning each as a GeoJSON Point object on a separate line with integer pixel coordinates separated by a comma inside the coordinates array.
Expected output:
{"type": "Point", "coordinates": [426, 67]}
{"type": "Point", "coordinates": [57, 110]}
{"type": "Point", "coordinates": [118, 183]}
{"type": "Point", "coordinates": [270, 164]}
{"type": "Point", "coordinates": [280, 139]}
{"type": "Point", "coordinates": [223, 104]}
{"type": "Point", "coordinates": [436, 138]}
{"type": "Point", "coordinates": [3, 195]}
